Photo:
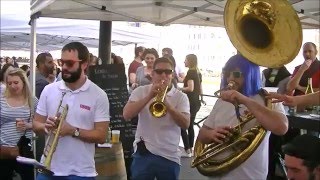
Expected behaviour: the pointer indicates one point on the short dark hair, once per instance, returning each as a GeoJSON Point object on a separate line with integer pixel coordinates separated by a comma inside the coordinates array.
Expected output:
{"type": "Point", "coordinates": [169, 50]}
{"type": "Point", "coordinates": [162, 60]}
{"type": "Point", "coordinates": [172, 59]}
{"type": "Point", "coordinates": [83, 52]}
{"type": "Point", "coordinates": [41, 58]}
{"type": "Point", "coordinates": [305, 147]}
{"type": "Point", "coordinates": [24, 67]}
{"type": "Point", "coordinates": [150, 51]}
{"type": "Point", "coordinates": [312, 44]}
{"type": "Point", "coordinates": [137, 50]}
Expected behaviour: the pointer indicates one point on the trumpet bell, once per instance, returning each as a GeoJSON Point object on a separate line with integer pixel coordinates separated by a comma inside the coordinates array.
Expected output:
{"type": "Point", "coordinates": [158, 109]}
{"type": "Point", "coordinates": [266, 32]}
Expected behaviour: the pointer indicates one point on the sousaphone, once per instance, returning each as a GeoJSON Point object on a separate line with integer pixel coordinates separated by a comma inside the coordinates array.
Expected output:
{"type": "Point", "coordinates": [268, 33]}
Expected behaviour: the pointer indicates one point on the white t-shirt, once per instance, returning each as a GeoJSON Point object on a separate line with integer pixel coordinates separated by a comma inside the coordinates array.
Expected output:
{"type": "Point", "coordinates": [256, 166]}
{"type": "Point", "coordinates": [87, 105]}
{"type": "Point", "coordinates": [178, 69]}
{"type": "Point", "coordinates": [161, 135]}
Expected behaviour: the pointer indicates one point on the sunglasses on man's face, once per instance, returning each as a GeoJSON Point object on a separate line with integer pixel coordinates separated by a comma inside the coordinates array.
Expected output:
{"type": "Point", "coordinates": [235, 74]}
{"type": "Point", "coordinates": [69, 63]}
{"type": "Point", "coordinates": [166, 71]}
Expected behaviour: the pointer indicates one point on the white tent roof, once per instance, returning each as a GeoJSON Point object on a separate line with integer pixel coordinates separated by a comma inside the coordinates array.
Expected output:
{"type": "Point", "coordinates": [160, 12]}
{"type": "Point", "coordinates": [53, 34]}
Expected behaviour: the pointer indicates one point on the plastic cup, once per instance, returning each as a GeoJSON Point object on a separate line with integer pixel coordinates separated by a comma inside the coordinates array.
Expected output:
{"type": "Point", "coordinates": [115, 136]}
{"type": "Point", "coordinates": [19, 122]}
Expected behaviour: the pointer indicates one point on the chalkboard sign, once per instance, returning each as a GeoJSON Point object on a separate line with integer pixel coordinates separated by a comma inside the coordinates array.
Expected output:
{"type": "Point", "coordinates": [113, 80]}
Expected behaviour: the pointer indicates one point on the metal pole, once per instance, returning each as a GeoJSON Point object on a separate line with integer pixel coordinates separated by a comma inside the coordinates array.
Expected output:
{"type": "Point", "coordinates": [105, 41]}
{"type": "Point", "coordinates": [33, 48]}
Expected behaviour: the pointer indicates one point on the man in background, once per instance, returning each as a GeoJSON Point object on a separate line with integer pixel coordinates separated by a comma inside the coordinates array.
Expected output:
{"type": "Point", "coordinates": [180, 75]}
{"type": "Point", "coordinates": [302, 158]}
{"type": "Point", "coordinates": [310, 68]}
{"type": "Point", "coordinates": [45, 66]}
{"type": "Point", "coordinates": [137, 62]}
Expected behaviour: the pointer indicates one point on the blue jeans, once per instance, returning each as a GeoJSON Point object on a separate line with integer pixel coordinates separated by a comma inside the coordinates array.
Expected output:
{"type": "Point", "coordinates": [150, 166]}
{"type": "Point", "coordinates": [71, 177]}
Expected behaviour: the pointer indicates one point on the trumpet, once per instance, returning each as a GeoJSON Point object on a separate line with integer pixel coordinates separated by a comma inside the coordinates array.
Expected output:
{"type": "Point", "coordinates": [231, 85]}
{"type": "Point", "coordinates": [52, 142]}
{"type": "Point", "coordinates": [157, 108]}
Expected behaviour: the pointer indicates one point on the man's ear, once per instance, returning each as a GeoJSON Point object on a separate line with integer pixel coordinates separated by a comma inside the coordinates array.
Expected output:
{"type": "Point", "coordinates": [84, 65]}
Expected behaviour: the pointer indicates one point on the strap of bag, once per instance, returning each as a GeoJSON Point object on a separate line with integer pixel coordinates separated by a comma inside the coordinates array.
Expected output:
{"type": "Point", "coordinates": [30, 116]}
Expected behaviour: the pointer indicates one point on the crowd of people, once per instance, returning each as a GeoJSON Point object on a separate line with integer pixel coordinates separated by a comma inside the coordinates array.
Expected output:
{"type": "Point", "coordinates": [156, 145]}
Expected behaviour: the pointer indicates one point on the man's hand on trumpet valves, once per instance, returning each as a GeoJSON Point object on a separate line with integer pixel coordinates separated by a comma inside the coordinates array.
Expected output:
{"type": "Point", "coordinates": [52, 123]}
{"type": "Point", "coordinates": [157, 87]}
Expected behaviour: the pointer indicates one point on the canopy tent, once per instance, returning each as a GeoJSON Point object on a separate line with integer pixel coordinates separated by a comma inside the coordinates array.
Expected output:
{"type": "Point", "coordinates": [160, 12]}
{"type": "Point", "coordinates": [53, 34]}
{"type": "Point", "coordinates": [46, 42]}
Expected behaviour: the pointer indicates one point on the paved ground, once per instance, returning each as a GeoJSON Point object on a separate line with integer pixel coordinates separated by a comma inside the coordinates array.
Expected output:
{"type": "Point", "coordinates": [188, 173]}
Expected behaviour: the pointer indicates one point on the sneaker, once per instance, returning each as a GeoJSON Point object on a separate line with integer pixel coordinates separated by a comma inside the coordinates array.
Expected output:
{"type": "Point", "coordinates": [185, 154]}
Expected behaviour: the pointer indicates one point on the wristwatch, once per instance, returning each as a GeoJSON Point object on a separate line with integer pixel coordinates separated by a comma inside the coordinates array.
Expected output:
{"type": "Point", "coordinates": [76, 133]}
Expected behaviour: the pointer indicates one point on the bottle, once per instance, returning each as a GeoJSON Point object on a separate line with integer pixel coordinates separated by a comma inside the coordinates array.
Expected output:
{"type": "Point", "coordinates": [292, 109]}
{"type": "Point", "coordinates": [108, 140]}
{"type": "Point", "coordinates": [309, 90]}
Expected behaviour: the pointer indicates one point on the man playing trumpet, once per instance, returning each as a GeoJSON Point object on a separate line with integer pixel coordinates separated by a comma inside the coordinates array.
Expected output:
{"type": "Point", "coordinates": [223, 117]}
{"type": "Point", "coordinates": [86, 121]}
{"type": "Point", "coordinates": [157, 138]}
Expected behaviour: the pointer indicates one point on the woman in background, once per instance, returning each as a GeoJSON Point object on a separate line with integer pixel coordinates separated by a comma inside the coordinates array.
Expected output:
{"type": "Point", "coordinates": [143, 73]}
{"type": "Point", "coordinates": [15, 121]}
{"type": "Point", "coordinates": [26, 69]}
{"type": "Point", "coordinates": [3, 73]}
{"type": "Point", "coordinates": [192, 86]}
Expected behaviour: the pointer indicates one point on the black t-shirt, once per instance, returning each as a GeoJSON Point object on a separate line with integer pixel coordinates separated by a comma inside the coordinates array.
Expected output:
{"type": "Point", "coordinates": [193, 96]}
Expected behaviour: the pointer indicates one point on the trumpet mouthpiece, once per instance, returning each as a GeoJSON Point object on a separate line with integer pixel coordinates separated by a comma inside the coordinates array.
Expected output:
{"type": "Point", "coordinates": [231, 85]}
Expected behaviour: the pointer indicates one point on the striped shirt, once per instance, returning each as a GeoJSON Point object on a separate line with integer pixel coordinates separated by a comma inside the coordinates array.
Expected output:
{"type": "Point", "coordinates": [9, 135]}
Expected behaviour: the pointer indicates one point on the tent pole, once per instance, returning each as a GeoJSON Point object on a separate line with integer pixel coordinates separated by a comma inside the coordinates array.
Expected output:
{"type": "Point", "coordinates": [33, 48]}
{"type": "Point", "coordinates": [105, 41]}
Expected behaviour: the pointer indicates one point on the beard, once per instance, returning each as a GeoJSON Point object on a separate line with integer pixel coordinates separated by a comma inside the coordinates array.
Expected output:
{"type": "Point", "coordinates": [74, 76]}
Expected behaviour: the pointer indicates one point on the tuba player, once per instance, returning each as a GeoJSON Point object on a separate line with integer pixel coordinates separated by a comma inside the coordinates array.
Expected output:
{"type": "Point", "coordinates": [217, 126]}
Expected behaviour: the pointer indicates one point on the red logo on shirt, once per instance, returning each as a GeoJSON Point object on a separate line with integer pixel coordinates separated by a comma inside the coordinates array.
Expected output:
{"type": "Point", "coordinates": [85, 107]}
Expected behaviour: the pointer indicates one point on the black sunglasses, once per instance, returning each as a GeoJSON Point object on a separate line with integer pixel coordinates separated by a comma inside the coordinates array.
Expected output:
{"type": "Point", "coordinates": [69, 63]}
{"type": "Point", "coordinates": [166, 71]}
{"type": "Point", "coordinates": [235, 74]}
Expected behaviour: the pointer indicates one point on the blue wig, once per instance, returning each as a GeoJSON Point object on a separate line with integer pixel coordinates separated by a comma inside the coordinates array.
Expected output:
{"type": "Point", "coordinates": [250, 72]}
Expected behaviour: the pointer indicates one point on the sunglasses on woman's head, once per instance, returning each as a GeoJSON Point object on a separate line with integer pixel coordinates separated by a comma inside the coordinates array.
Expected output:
{"type": "Point", "coordinates": [69, 63]}
{"type": "Point", "coordinates": [166, 71]}
{"type": "Point", "coordinates": [235, 74]}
